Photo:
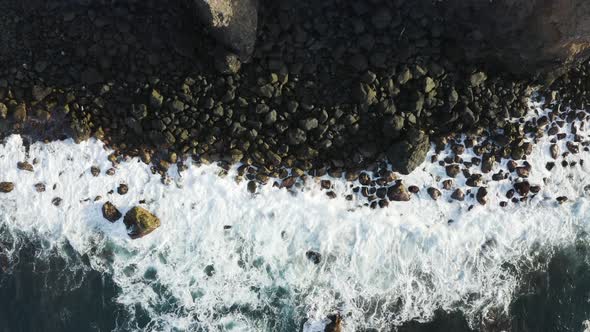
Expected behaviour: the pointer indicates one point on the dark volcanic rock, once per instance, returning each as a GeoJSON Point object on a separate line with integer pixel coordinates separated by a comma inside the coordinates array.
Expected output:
{"type": "Point", "coordinates": [434, 193]}
{"type": "Point", "coordinates": [314, 256]}
{"type": "Point", "coordinates": [40, 187]}
{"type": "Point", "coordinates": [122, 189]}
{"type": "Point", "coordinates": [110, 212]}
{"type": "Point", "coordinates": [522, 188]}
{"type": "Point", "coordinates": [405, 156]}
{"type": "Point", "coordinates": [252, 186]}
{"type": "Point", "coordinates": [233, 22]}
{"type": "Point", "coordinates": [56, 201]}
{"type": "Point", "coordinates": [525, 36]}
{"type": "Point", "coordinates": [6, 187]}
{"type": "Point", "coordinates": [481, 196]}
{"type": "Point", "coordinates": [453, 170]}
{"type": "Point", "coordinates": [398, 192]}
{"type": "Point", "coordinates": [458, 195]}
{"type": "Point", "coordinates": [24, 166]}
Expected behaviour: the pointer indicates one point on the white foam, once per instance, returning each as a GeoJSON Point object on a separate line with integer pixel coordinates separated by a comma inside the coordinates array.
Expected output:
{"type": "Point", "coordinates": [379, 267]}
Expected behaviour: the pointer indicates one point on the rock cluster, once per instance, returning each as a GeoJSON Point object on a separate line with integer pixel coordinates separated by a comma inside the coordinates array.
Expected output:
{"type": "Point", "coordinates": [370, 81]}
{"type": "Point", "coordinates": [337, 93]}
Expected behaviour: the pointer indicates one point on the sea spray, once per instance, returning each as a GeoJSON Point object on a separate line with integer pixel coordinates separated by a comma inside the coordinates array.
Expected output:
{"type": "Point", "coordinates": [225, 259]}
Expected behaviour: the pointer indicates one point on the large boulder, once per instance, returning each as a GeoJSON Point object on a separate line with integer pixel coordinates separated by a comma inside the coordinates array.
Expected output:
{"type": "Point", "coordinates": [408, 154]}
{"type": "Point", "coordinates": [140, 222]}
{"type": "Point", "coordinates": [232, 22]}
{"type": "Point", "coordinates": [524, 36]}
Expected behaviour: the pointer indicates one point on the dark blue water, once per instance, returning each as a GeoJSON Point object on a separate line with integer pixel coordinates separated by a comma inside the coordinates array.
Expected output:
{"type": "Point", "coordinates": [45, 287]}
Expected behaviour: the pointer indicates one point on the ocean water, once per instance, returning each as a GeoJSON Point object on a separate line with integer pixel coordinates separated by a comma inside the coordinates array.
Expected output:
{"type": "Point", "coordinates": [227, 260]}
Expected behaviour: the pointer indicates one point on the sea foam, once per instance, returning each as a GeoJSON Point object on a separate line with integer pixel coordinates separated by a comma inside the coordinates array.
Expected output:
{"type": "Point", "coordinates": [379, 268]}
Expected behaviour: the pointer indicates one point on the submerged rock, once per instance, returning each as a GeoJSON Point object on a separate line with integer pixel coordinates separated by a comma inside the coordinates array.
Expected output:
{"type": "Point", "coordinates": [314, 256]}
{"type": "Point", "coordinates": [140, 222]}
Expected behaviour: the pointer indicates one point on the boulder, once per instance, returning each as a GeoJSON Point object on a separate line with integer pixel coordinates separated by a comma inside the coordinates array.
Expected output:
{"type": "Point", "coordinates": [110, 212]}
{"type": "Point", "coordinates": [523, 36]}
{"type": "Point", "coordinates": [140, 222]}
{"type": "Point", "coordinates": [232, 22]}
{"type": "Point", "coordinates": [6, 187]}
{"type": "Point", "coordinates": [407, 155]}
{"type": "Point", "coordinates": [398, 193]}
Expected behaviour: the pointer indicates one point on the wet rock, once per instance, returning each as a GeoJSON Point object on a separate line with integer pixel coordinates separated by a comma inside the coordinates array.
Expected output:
{"type": "Point", "coordinates": [475, 180]}
{"type": "Point", "coordinates": [6, 187]}
{"type": "Point", "coordinates": [453, 170]}
{"type": "Point", "coordinates": [56, 201]}
{"type": "Point", "coordinates": [398, 193]}
{"type": "Point", "coordinates": [522, 172]}
{"type": "Point", "coordinates": [481, 196]}
{"type": "Point", "coordinates": [522, 188]}
{"type": "Point", "coordinates": [122, 189]}
{"type": "Point", "coordinates": [110, 212]}
{"type": "Point", "coordinates": [572, 147]}
{"type": "Point", "coordinates": [95, 171]}
{"type": "Point", "coordinates": [458, 195]}
{"type": "Point", "coordinates": [364, 179]}
{"type": "Point", "coordinates": [447, 184]}
{"type": "Point", "coordinates": [24, 166]}
{"type": "Point", "coordinates": [487, 163]}
{"type": "Point", "coordinates": [40, 187]}
{"type": "Point", "coordinates": [140, 222]}
{"type": "Point", "coordinates": [252, 186]}
{"type": "Point", "coordinates": [434, 193]}
{"type": "Point", "coordinates": [510, 193]}
{"type": "Point", "coordinates": [80, 130]}
{"type": "Point", "coordinates": [554, 150]}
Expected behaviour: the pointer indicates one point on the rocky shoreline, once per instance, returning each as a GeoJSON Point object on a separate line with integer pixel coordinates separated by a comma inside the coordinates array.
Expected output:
{"type": "Point", "coordinates": [359, 90]}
